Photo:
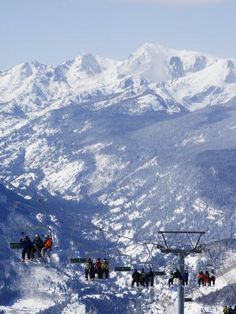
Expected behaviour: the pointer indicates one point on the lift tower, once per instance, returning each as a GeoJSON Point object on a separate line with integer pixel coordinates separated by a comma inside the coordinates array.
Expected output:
{"type": "Point", "coordinates": [193, 247]}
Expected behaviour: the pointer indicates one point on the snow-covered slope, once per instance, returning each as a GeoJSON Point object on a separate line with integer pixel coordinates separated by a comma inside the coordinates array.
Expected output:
{"type": "Point", "coordinates": [117, 145]}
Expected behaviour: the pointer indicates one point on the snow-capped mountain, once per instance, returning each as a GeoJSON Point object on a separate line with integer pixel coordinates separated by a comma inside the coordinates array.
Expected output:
{"type": "Point", "coordinates": [129, 146]}
{"type": "Point", "coordinates": [153, 78]}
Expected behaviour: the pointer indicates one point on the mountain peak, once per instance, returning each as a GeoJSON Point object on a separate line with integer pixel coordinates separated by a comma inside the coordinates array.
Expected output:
{"type": "Point", "coordinates": [87, 63]}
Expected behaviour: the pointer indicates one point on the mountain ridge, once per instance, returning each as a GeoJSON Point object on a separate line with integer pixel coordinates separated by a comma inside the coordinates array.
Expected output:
{"type": "Point", "coordinates": [130, 155]}
{"type": "Point", "coordinates": [174, 75]}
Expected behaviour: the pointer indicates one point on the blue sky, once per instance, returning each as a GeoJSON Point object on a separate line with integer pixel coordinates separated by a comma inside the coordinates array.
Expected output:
{"type": "Point", "coordinates": [53, 31]}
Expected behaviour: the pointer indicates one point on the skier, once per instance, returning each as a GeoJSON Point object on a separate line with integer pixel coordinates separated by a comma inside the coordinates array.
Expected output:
{"type": "Point", "coordinates": [47, 245]}
{"type": "Point", "coordinates": [98, 269]}
{"type": "Point", "coordinates": [89, 270]}
{"type": "Point", "coordinates": [26, 245]}
{"type": "Point", "coordinates": [207, 279]}
{"type": "Point", "coordinates": [142, 277]}
{"type": "Point", "coordinates": [177, 274]}
{"type": "Point", "coordinates": [184, 278]}
{"type": "Point", "coordinates": [171, 279]}
{"type": "Point", "coordinates": [150, 278]}
{"type": "Point", "coordinates": [200, 277]}
{"type": "Point", "coordinates": [135, 276]}
{"type": "Point", "coordinates": [212, 277]}
{"type": "Point", "coordinates": [225, 310]}
{"type": "Point", "coordinates": [37, 246]}
{"type": "Point", "coordinates": [105, 268]}
{"type": "Point", "coordinates": [230, 310]}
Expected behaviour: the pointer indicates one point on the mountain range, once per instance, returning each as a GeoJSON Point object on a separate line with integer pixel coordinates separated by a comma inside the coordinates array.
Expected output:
{"type": "Point", "coordinates": [107, 153]}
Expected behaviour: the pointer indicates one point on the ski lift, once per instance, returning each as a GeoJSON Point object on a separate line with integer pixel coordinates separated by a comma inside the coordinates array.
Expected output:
{"type": "Point", "coordinates": [159, 273]}
{"type": "Point", "coordinates": [89, 254]}
{"type": "Point", "coordinates": [89, 258]}
{"type": "Point", "coordinates": [124, 263]}
{"type": "Point", "coordinates": [17, 245]}
{"type": "Point", "coordinates": [210, 267]}
{"type": "Point", "coordinates": [139, 265]}
{"type": "Point", "coordinates": [147, 266]}
{"type": "Point", "coordinates": [78, 260]}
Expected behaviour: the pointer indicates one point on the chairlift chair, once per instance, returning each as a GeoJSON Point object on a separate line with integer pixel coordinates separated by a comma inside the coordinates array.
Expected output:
{"type": "Point", "coordinates": [89, 254]}
{"type": "Point", "coordinates": [188, 295]}
{"type": "Point", "coordinates": [17, 245]}
{"type": "Point", "coordinates": [123, 266]}
{"type": "Point", "coordinates": [78, 260]}
{"type": "Point", "coordinates": [159, 273]}
{"type": "Point", "coordinates": [148, 265]}
{"type": "Point", "coordinates": [210, 266]}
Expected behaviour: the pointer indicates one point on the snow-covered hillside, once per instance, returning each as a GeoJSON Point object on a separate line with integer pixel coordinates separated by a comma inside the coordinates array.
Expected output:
{"type": "Point", "coordinates": [130, 147]}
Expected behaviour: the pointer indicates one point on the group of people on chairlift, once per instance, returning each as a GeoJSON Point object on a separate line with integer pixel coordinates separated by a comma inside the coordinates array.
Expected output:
{"type": "Point", "coordinates": [229, 310]}
{"type": "Point", "coordinates": [177, 275]}
{"type": "Point", "coordinates": [37, 245]}
{"type": "Point", "coordinates": [207, 278]}
{"type": "Point", "coordinates": [204, 279]}
{"type": "Point", "coordinates": [99, 269]}
{"type": "Point", "coordinates": [143, 278]}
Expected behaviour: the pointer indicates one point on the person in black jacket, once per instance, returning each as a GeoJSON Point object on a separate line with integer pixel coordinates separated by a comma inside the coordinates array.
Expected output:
{"type": "Point", "coordinates": [142, 277]}
{"type": "Point", "coordinates": [177, 274]}
{"type": "Point", "coordinates": [37, 246]}
{"type": "Point", "coordinates": [150, 277]}
{"type": "Point", "coordinates": [136, 277]}
{"type": "Point", "coordinates": [171, 279]}
{"type": "Point", "coordinates": [26, 245]}
{"type": "Point", "coordinates": [89, 270]}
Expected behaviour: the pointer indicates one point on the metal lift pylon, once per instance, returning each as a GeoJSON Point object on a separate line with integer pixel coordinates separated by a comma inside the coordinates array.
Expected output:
{"type": "Point", "coordinates": [181, 252]}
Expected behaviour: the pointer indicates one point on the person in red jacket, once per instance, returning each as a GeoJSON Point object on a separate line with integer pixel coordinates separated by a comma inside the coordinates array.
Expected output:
{"type": "Point", "coordinates": [200, 277]}
{"type": "Point", "coordinates": [98, 268]}
{"type": "Point", "coordinates": [206, 279]}
{"type": "Point", "coordinates": [47, 245]}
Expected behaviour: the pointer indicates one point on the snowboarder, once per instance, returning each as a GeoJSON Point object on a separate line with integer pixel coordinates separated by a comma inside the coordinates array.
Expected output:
{"type": "Point", "coordinates": [47, 245]}
{"type": "Point", "coordinates": [37, 246]}
{"type": "Point", "coordinates": [26, 245]}
{"type": "Point", "coordinates": [136, 277]}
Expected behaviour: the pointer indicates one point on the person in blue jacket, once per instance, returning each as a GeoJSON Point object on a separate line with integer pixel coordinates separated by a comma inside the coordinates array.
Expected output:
{"type": "Point", "coordinates": [26, 245]}
{"type": "Point", "coordinates": [184, 276]}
